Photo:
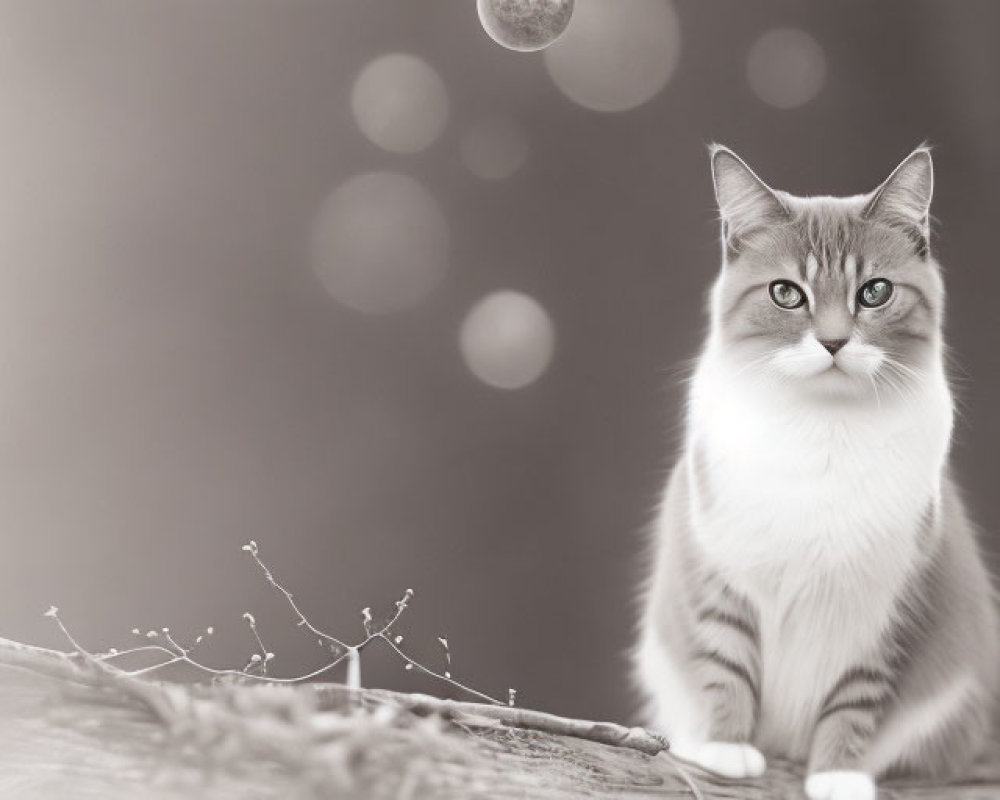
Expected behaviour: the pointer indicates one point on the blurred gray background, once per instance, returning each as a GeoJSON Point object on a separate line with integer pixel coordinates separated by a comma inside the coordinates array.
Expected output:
{"type": "Point", "coordinates": [217, 324]}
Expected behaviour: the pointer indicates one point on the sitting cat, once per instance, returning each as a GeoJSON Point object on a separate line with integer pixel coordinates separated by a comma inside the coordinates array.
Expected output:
{"type": "Point", "coordinates": [816, 590]}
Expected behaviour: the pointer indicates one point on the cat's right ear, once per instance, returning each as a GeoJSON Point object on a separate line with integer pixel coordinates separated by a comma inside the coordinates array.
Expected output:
{"type": "Point", "coordinates": [745, 202]}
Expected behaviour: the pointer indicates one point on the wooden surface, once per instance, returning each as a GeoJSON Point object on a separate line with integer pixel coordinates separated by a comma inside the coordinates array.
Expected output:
{"type": "Point", "coordinates": [72, 732]}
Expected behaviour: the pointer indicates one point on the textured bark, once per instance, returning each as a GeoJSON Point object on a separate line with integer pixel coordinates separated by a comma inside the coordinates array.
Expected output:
{"type": "Point", "coordinates": [73, 729]}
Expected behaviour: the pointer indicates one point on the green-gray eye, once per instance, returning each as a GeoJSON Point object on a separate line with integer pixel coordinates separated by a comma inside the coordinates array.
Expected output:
{"type": "Point", "coordinates": [875, 293]}
{"type": "Point", "coordinates": [786, 294]}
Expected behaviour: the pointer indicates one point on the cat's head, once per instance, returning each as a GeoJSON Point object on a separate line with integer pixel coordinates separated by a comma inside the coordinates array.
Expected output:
{"type": "Point", "coordinates": [839, 296]}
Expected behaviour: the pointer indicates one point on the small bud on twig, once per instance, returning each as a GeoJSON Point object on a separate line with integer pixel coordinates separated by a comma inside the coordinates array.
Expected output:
{"type": "Point", "coordinates": [404, 601]}
{"type": "Point", "coordinates": [447, 655]}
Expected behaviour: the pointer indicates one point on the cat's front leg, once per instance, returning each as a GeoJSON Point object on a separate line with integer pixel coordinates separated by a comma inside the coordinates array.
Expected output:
{"type": "Point", "coordinates": [848, 720]}
{"type": "Point", "coordinates": [726, 663]}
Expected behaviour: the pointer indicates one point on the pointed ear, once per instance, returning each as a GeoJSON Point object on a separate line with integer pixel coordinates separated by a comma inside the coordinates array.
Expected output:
{"type": "Point", "coordinates": [746, 203]}
{"type": "Point", "coordinates": [904, 200]}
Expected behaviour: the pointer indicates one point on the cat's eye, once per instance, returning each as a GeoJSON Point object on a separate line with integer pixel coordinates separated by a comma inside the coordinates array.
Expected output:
{"type": "Point", "coordinates": [786, 294]}
{"type": "Point", "coordinates": [875, 293]}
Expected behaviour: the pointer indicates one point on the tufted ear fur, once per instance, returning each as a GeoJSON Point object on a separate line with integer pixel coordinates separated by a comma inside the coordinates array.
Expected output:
{"type": "Point", "coordinates": [904, 200]}
{"type": "Point", "coordinates": [745, 202]}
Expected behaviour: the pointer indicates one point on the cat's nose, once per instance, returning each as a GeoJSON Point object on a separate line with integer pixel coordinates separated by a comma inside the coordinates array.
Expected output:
{"type": "Point", "coordinates": [833, 345]}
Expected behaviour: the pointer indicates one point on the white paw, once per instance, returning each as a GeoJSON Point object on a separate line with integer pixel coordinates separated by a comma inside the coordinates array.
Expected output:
{"type": "Point", "coordinates": [729, 759]}
{"type": "Point", "coordinates": [840, 785]}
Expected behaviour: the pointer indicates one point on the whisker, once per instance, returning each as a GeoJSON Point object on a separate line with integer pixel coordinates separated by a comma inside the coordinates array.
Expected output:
{"type": "Point", "coordinates": [902, 379]}
{"type": "Point", "coordinates": [878, 398]}
{"type": "Point", "coordinates": [755, 362]}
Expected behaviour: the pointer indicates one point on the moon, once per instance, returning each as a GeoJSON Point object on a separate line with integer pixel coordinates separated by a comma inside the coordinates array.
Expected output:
{"type": "Point", "coordinates": [525, 25]}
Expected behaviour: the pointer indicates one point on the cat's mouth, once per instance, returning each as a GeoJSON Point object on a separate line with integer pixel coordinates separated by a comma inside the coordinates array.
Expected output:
{"type": "Point", "coordinates": [834, 376]}
{"type": "Point", "coordinates": [840, 380]}
{"type": "Point", "coordinates": [838, 372]}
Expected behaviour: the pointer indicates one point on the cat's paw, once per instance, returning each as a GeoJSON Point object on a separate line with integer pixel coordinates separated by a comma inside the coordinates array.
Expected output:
{"type": "Point", "coordinates": [729, 759]}
{"type": "Point", "coordinates": [840, 785]}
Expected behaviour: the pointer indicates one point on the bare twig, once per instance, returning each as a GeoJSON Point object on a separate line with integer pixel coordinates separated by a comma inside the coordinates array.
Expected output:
{"type": "Point", "coordinates": [373, 633]}
{"type": "Point", "coordinates": [251, 548]}
{"type": "Point", "coordinates": [445, 677]}
{"type": "Point", "coordinates": [491, 714]}
{"type": "Point", "coordinates": [257, 666]}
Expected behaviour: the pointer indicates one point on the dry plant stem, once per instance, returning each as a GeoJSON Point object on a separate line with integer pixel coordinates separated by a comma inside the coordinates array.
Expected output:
{"type": "Point", "coordinates": [251, 548]}
{"type": "Point", "coordinates": [183, 651]}
{"type": "Point", "coordinates": [610, 733]}
{"type": "Point", "coordinates": [381, 633]}
{"type": "Point", "coordinates": [260, 659]}
{"type": "Point", "coordinates": [177, 654]}
{"type": "Point", "coordinates": [485, 697]}
{"type": "Point", "coordinates": [176, 658]}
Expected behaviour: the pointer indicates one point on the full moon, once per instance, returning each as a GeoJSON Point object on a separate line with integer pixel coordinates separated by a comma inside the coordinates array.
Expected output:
{"type": "Point", "coordinates": [525, 25]}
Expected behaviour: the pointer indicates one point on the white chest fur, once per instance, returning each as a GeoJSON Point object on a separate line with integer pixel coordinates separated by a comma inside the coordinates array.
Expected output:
{"type": "Point", "coordinates": [813, 512]}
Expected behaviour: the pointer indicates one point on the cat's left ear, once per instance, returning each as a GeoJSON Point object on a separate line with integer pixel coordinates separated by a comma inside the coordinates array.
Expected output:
{"type": "Point", "coordinates": [904, 200]}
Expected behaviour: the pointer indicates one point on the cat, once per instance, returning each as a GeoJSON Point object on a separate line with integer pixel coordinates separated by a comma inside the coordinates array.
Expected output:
{"type": "Point", "coordinates": [816, 590]}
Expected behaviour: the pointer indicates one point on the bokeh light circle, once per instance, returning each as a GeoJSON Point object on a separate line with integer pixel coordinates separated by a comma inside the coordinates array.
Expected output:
{"type": "Point", "coordinates": [507, 340]}
{"type": "Point", "coordinates": [616, 54]}
{"type": "Point", "coordinates": [786, 68]}
{"type": "Point", "coordinates": [524, 25]}
{"type": "Point", "coordinates": [380, 242]}
{"type": "Point", "coordinates": [493, 148]}
{"type": "Point", "coordinates": [400, 103]}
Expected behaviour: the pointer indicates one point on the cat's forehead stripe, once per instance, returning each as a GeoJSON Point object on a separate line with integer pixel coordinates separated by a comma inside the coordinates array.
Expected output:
{"type": "Point", "coordinates": [812, 267]}
{"type": "Point", "coordinates": [851, 271]}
